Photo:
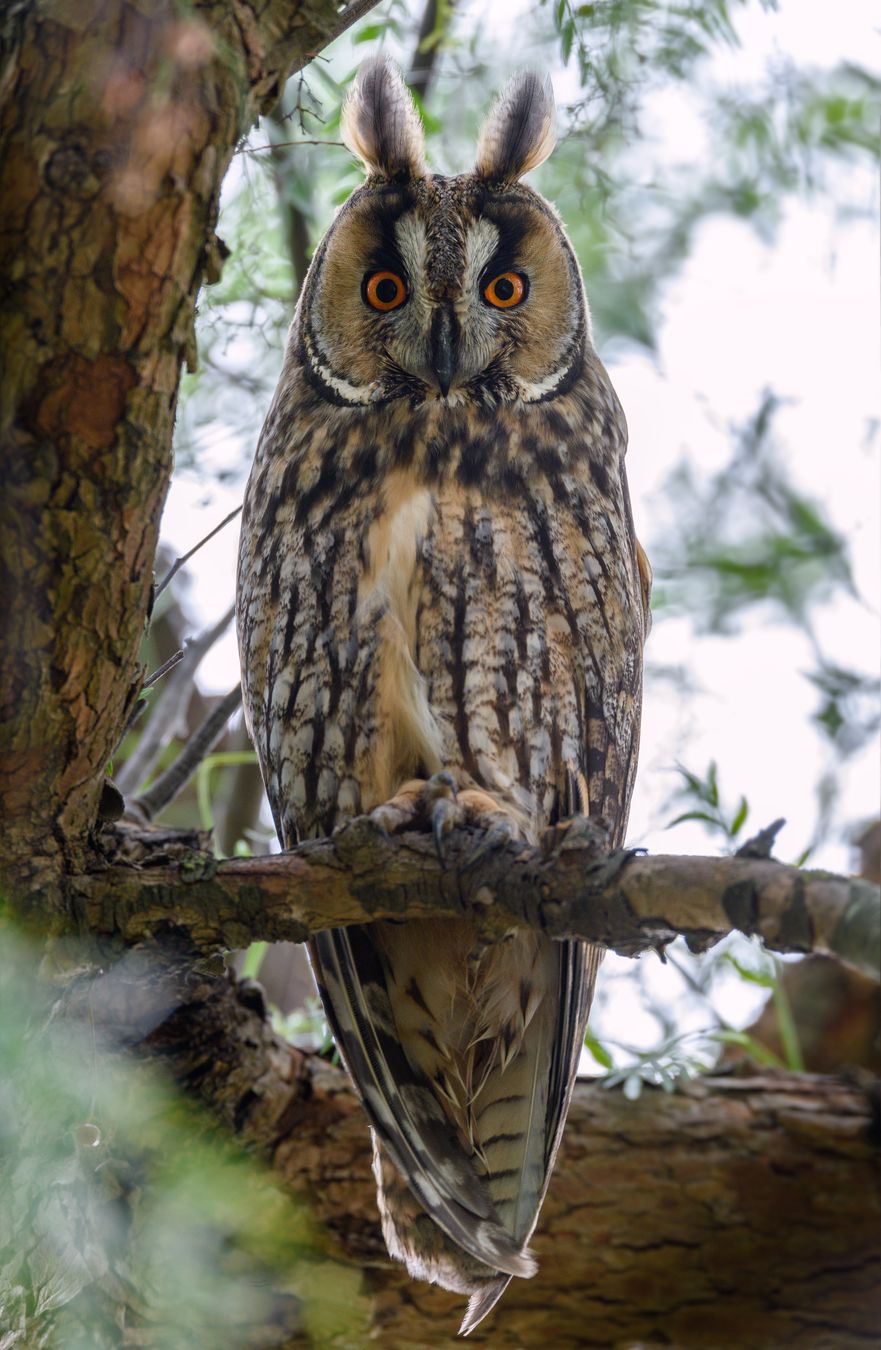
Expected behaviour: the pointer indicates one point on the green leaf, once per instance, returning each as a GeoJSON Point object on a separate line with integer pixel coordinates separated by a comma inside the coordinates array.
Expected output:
{"type": "Point", "coordinates": [761, 978]}
{"type": "Point", "coordinates": [694, 815]}
{"type": "Point", "coordinates": [789, 1037]}
{"type": "Point", "coordinates": [371, 33]}
{"type": "Point", "coordinates": [567, 37]}
{"type": "Point", "coordinates": [756, 1051]}
{"type": "Point", "coordinates": [254, 960]}
{"type": "Point", "coordinates": [667, 1080]}
{"type": "Point", "coordinates": [739, 818]}
{"type": "Point", "coordinates": [599, 1051]}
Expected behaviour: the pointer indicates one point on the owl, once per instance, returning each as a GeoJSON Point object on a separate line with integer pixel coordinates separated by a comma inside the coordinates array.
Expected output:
{"type": "Point", "coordinates": [441, 615]}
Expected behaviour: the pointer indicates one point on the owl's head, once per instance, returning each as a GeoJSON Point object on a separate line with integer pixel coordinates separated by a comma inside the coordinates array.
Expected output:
{"type": "Point", "coordinates": [459, 290]}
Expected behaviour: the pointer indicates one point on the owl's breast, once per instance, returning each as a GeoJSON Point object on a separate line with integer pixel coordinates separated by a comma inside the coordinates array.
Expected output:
{"type": "Point", "coordinates": [409, 737]}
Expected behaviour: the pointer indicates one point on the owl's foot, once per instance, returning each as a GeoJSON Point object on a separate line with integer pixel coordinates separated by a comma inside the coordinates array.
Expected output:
{"type": "Point", "coordinates": [420, 804]}
{"type": "Point", "coordinates": [438, 805]}
{"type": "Point", "coordinates": [582, 832]}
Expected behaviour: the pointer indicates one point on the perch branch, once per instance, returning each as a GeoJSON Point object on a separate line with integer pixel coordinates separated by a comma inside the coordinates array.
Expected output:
{"type": "Point", "coordinates": [621, 900]}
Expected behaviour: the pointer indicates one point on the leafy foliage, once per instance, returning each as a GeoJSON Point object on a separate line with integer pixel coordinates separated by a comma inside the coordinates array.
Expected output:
{"type": "Point", "coordinates": [707, 805]}
{"type": "Point", "coordinates": [111, 1182]}
{"type": "Point", "coordinates": [746, 536]}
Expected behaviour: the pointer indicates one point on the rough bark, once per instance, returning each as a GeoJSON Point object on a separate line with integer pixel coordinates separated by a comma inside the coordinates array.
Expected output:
{"type": "Point", "coordinates": [622, 900]}
{"type": "Point", "coordinates": [117, 121]}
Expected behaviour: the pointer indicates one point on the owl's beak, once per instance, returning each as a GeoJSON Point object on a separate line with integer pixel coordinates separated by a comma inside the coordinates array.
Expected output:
{"type": "Point", "coordinates": [443, 345]}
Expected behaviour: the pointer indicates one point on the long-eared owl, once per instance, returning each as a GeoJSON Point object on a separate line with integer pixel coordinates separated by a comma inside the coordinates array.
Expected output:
{"type": "Point", "coordinates": [442, 608]}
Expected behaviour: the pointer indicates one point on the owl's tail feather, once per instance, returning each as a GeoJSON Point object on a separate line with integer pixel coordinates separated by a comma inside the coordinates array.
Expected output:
{"type": "Point", "coordinates": [481, 1304]}
{"type": "Point", "coordinates": [403, 1110]}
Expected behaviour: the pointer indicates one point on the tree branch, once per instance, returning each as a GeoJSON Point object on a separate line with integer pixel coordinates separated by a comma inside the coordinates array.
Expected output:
{"type": "Point", "coordinates": [621, 900]}
{"type": "Point", "coordinates": [178, 774]}
{"type": "Point", "coordinates": [185, 557]}
{"type": "Point", "coordinates": [170, 707]}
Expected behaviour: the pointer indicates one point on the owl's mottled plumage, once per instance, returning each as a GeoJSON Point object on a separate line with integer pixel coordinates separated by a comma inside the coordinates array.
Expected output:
{"type": "Point", "coordinates": [439, 581]}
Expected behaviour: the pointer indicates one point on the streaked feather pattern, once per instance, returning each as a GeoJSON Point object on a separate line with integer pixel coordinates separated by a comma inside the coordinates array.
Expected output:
{"type": "Point", "coordinates": [447, 582]}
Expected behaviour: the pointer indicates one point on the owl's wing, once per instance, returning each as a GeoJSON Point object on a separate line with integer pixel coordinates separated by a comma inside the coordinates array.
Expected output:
{"type": "Point", "coordinates": [401, 1105]}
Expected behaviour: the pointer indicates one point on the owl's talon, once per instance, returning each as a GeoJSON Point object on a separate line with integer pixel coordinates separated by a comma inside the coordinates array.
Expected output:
{"type": "Point", "coordinates": [381, 818]}
{"type": "Point", "coordinates": [500, 833]}
{"type": "Point", "coordinates": [444, 817]}
{"type": "Point", "coordinates": [441, 786]}
{"type": "Point", "coordinates": [420, 803]}
{"type": "Point", "coordinates": [445, 811]}
{"type": "Point", "coordinates": [582, 832]}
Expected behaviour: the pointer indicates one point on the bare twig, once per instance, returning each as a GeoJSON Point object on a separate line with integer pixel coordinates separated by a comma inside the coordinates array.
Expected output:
{"type": "Point", "coordinates": [163, 669]}
{"type": "Point", "coordinates": [619, 900]}
{"type": "Point", "coordinates": [177, 775]}
{"type": "Point", "coordinates": [140, 704]}
{"type": "Point", "coordinates": [279, 145]}
{"type": "Point", "coordinates": [169, 708]}
{"type": "Point", "coordinates": [185, 558]}
{"type": "Point", "coordinates": [351, 14]}
{"type": "Point", "coordinates": [761, 844]}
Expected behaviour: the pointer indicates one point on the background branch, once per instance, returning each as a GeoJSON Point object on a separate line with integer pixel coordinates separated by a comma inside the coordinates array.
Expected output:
{"type": "Point", "coordinates": [177, 775]}
{"type": "Point", "coordinates": [184, 558]}
{"type": "Point", "coordinates": [166, 718]}
{"type": "Point", "coordinates": [435, 21]}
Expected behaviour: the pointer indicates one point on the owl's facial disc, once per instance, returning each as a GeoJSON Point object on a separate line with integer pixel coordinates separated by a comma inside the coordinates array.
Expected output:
{"type": "Point", "coordinates": [443, 291]}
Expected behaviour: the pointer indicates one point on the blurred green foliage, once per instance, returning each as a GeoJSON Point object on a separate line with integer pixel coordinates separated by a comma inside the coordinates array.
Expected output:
{"type": "Point", "coordinates": [747, 539]}
{"type": "Point", "coordinates": [746, 536]}
{"type": "Point", "coordinates": [632, 215]}
{"type": "Point", "coordinates": [125, 1214]}
{"type": "Point", "coordinates": [705, 803]}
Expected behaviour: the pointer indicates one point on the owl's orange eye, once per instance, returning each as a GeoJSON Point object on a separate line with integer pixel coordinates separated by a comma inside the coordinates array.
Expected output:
{"type": "Point", "coordinates": [384, 290]}
{"type": "Point", "coordinates": [506, 291]}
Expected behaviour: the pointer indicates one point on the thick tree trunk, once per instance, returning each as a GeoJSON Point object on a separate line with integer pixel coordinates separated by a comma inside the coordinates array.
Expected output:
{"type": "Point", "coordinates": [744, 1211]}
{"type": "Point", "coordinates": [117, 123]}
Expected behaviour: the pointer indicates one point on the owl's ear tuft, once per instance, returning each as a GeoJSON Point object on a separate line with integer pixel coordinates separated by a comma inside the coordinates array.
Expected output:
{"type": "Point", "coordinates": [380, 124]}
{"type": "Point", "coordinates": [518, 134]}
